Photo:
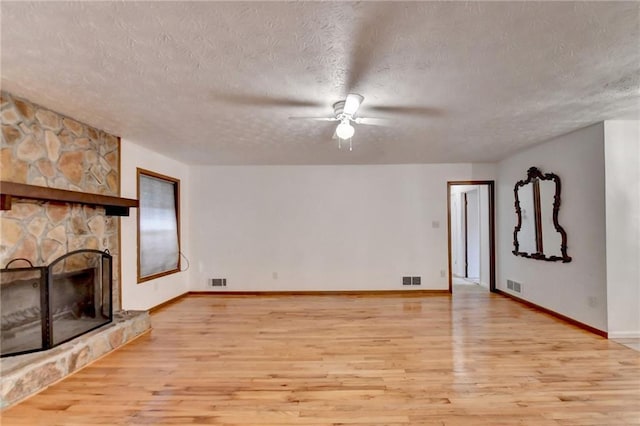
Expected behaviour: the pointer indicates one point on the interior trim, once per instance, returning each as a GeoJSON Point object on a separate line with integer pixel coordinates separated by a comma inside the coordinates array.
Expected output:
{"type": "Point", "coordinates": [176, 199]}
{"type": "Point", "coordinates": [367, 293]}
{"type": "Point", "coordinates": [492, 229]}
{"type": "Point", "coordinates": [374, 293]}
{"type": "Point", "coordinates": [168, 302]}
{"type": "Point", "coordinates": [554, 314]}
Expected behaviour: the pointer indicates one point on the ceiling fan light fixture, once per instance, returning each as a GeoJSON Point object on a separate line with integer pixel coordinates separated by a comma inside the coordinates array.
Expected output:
{"type": "Point", "coordinates": [352, 103]}
{"type": "Point", "coordinates": [345, 130]}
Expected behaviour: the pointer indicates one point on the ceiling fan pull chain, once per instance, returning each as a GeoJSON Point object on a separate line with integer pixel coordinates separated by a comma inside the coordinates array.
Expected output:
{"type": "Point", "coordinates": [350, 144]}
{"type": "Point", "coordinates": [339, 143]}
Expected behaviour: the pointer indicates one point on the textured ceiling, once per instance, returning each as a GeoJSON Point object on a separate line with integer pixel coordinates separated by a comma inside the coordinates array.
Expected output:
{"type": "Point", "coordinates": [215, 83]}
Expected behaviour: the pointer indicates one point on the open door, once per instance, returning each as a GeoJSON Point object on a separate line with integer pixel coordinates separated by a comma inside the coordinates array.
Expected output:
{"type": "Point", "coordinates": [471, 233]}
{"type": "Point", "coordinates": [475, 251]}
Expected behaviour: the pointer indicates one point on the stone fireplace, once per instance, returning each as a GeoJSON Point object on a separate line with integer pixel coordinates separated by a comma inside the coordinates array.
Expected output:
{"type": "Point", "coordinates": [43, 148]}
{"type": "Point", "coordinates": [56, 293]}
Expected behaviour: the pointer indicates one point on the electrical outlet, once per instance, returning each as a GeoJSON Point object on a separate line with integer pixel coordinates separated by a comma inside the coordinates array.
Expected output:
{"type": "Point", "coordinates": [442, 273]}
{"type": "Point", "coordinates": [592, 301]}
{"type": "Point", "coordinates": [415, 280]}
{"type": "Point", "coordinates": [406, 280]}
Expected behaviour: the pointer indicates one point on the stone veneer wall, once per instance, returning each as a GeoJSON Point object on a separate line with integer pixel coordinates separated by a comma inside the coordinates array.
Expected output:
{"type": "Point", "coordinates": [44, 148]}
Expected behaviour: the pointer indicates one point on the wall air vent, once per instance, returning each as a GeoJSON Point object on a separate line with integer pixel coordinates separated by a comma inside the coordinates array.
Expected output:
{"type": "Point", "coordinates": [218, 282]}
{"type": "Point", "coordinates": [515, 286]}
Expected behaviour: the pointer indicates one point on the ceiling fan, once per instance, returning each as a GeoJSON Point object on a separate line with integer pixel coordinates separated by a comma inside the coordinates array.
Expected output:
{"type": "Point", "coordinates": [374, 26]}
{"type": "Point", "coordinates": [345, 112]}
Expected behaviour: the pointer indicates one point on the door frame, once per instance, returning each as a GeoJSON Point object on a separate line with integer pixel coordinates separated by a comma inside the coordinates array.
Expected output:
{"type": "Point", "coordinates": [466, 233]}
{"type": "Point", "coordinates": [490, 184]}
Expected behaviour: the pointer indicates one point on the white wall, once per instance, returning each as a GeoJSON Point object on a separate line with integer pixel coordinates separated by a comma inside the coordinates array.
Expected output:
{"type": "Point", "coordinates": [321, 227]}
{"type": "Point", "coordinates": [484, 171]}
{"type": "Point", "coordinates": [622, 165]}
{"type": "Point", "coordinates": [576, 289]}
{"type": "Point", "coordinates": [150, 293]}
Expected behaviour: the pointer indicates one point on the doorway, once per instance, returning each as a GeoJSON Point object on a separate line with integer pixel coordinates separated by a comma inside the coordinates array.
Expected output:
{"type": "Point", "coordinates": [471, 233]}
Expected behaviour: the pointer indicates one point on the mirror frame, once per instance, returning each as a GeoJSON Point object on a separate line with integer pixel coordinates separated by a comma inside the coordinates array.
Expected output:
{"type": "Point", "coordinates": [534, 174]}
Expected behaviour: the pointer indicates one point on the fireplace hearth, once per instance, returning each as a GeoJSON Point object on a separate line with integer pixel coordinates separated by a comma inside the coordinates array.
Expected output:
{"type": "Point", "coordinates": [44, 306]}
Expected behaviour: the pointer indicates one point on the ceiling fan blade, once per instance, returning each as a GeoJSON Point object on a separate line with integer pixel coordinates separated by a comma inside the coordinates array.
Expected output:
{"type": "Point", "coordinates": [352, 103]}
{"type": "Point", "coordinates": [261, 100]}
{"type": "Point", "coordinates": [411, 110]}
{"type": "Point", "coordinates": [372, 34]}
{"type": "Point", "coordinates": [314, 118]}
{"type": "Point", "coordinates": [369, 121]}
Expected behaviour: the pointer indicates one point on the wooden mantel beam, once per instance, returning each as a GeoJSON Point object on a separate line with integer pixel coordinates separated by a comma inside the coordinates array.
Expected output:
{"type": "Point", "coordinates": [114, 206]}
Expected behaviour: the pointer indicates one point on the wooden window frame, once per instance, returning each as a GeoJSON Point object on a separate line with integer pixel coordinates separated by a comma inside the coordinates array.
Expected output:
{"type": "Point", "coordinates": [176, 193]}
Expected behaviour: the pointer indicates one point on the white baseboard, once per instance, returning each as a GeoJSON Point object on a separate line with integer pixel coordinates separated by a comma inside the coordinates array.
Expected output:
{"type": "Point", "coordinates": [623, 334]}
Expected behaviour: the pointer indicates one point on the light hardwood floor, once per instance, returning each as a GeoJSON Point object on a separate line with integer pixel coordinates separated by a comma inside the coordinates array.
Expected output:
{"type": "Point", "coordinates": [474, 359]}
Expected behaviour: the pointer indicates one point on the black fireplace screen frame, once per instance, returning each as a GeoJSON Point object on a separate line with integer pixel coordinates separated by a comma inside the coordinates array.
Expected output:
{"type": "Point", "coordinates": [46, 282]}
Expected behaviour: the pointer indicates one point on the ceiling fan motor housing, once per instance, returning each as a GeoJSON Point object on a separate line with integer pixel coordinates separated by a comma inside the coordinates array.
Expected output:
{"type": "Point", "coordinates": [338, 109]}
